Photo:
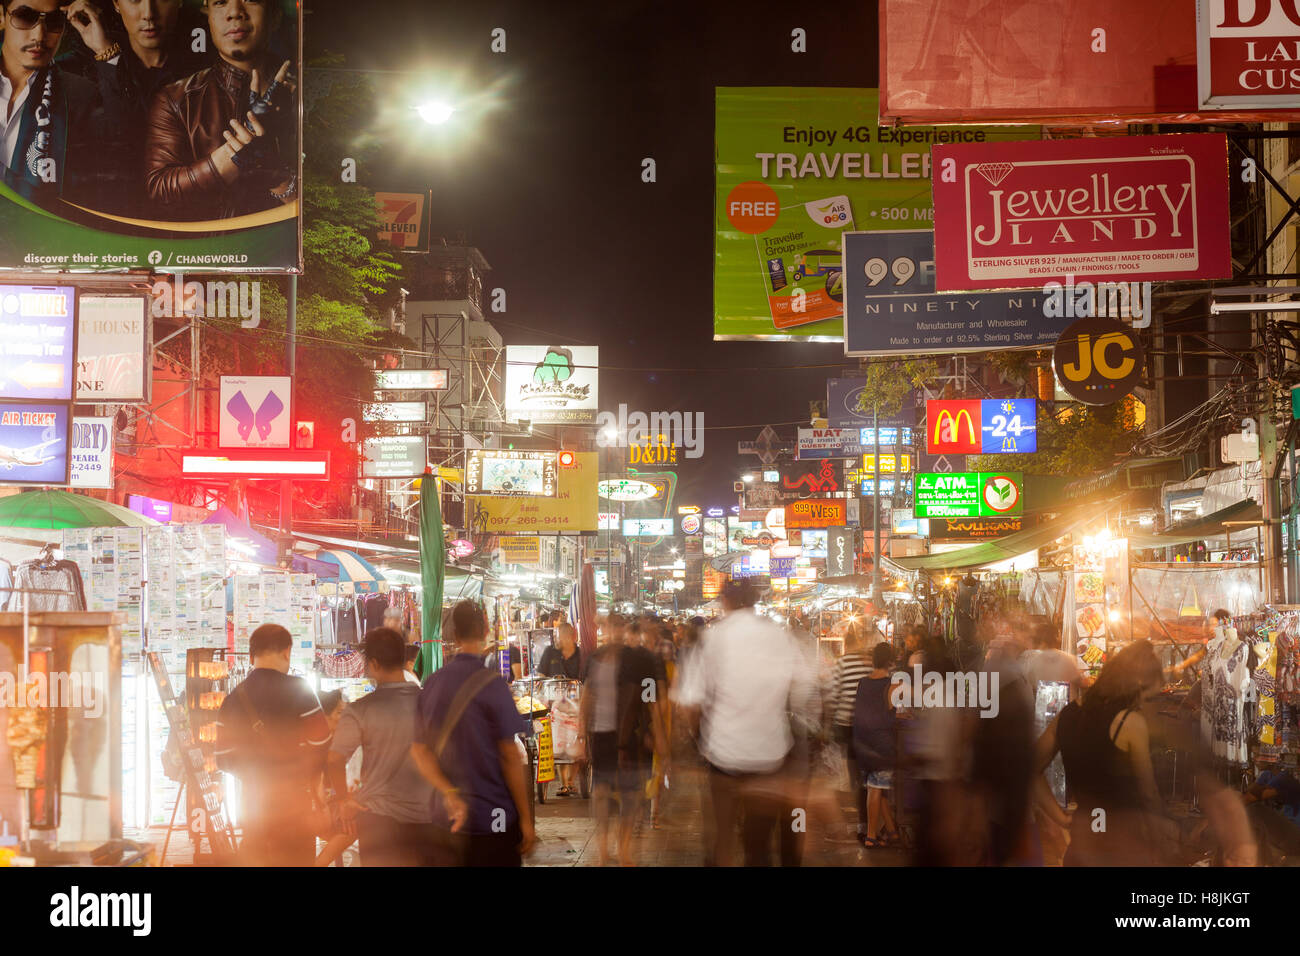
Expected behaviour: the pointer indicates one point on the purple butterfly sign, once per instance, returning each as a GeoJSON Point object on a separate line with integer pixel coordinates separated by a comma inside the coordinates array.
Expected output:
{"type": "Point", "coordinates": [255, 411]}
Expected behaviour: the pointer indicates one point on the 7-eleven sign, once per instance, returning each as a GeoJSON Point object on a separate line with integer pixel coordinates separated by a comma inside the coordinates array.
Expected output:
{"type": "Point", "coordinates": [401, 219]}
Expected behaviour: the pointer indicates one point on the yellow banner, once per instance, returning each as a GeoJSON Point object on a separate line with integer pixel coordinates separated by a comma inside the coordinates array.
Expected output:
{"type": "Point", "coordinates": [573, 509]}
{"type": "Point", "coordinates": [545, 753]}
{"type": "Point", "coordinates": [525, 550]}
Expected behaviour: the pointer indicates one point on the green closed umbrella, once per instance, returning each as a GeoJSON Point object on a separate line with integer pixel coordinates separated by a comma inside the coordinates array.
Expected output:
{"type": "Point", "coordinates": [53, 510]}
{"type": "Point", "coordinates": [433, 557]}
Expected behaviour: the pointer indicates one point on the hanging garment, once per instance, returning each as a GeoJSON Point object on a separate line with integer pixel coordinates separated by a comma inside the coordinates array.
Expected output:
{"type": "Point", "coordinates": [347, 630]}
{"type": "Point", "coordinates": [1227, 675]}
{"type": "Point", "coordinates": [326, 629]}
{"type": "Point", "coordinates": [56, 587]}
{"type": "Point", "coordinates": [1266, 726]}
{"type": "Point", "coordinates": [376, 608]}
{"type": "Point", "coordinates": [1288, 662]}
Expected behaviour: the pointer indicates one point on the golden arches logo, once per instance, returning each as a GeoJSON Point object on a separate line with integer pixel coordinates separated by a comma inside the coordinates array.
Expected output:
{"type": "Point", "coordinates": [955, 421]}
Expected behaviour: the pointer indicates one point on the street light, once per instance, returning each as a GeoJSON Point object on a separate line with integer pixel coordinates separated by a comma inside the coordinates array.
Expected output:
{"type": "Point", "coordinates": [748, 479]}
{"type": "Point", "coordinates": [435, 113]}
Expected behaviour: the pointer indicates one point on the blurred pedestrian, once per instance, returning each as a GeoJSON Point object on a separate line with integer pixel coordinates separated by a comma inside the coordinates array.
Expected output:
{"type": "Point", "coordinates": [846, 675]}
{"type": "Point", "coordinates": [409, 657]}
{"type": "Point", "coordinates": [748, 678]}
{"type": "Point", "coordinates": [465, 749]}
{"type": "Point", "coordinates": [1002, 751]}
{"type": "Point", "coordinates": [272, 735]}
{"type": "Point", "coordinates": [874, 742]}
{"type": "Point", "coordinates": [622, 730]}
{"type": "Point", "coordinates": [1105, 743]}
{"type": "Point", "coordinates": [391, 807]}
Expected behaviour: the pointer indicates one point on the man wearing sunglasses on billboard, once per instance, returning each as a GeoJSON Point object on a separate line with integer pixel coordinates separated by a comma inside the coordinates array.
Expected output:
{"type": "Point", "coordinates": [51, 122]}
{"type": "Point", "coordinates": [129, 64]}
{"type": "Point", "coordinates": [223, 142]}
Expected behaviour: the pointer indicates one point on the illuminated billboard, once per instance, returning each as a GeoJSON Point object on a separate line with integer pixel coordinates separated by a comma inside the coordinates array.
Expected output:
{"type": "Point", "coordinates": [511, 474]}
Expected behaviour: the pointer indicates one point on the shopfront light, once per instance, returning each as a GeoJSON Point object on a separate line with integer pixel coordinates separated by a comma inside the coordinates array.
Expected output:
{"type": "Point", "coordinates": [748, 479]}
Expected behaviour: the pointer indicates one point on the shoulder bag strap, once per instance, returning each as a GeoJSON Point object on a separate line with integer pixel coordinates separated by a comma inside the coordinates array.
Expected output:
{"type": "Point", "coordinates": [459, 704]}
{"type": "Point", "coordinates": [255, 723]}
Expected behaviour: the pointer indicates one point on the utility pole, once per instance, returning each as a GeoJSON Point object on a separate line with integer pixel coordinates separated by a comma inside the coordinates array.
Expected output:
{"type": "Point", "coordinates": [1270, 462]}
{"type": "Point", "coordinates": [875, 509]}
{"type": "Point", "coordinates": [290, 364]}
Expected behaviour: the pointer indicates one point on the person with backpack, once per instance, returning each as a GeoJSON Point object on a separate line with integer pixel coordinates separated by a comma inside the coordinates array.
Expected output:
{"type": "Point", "coordinates": [272, 734]}
{"type": "Point", "coordinates": [466, 724]}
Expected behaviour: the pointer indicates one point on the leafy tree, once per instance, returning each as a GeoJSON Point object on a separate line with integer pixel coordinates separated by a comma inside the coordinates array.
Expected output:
{"type": "Point", "coordinates": [1077, 440]}
{"type": "Point", "coordinates": [889, 382]}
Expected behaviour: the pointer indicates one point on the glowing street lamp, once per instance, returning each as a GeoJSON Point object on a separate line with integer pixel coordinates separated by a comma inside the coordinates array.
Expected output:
{"type": "Point", "coordinates": [436, 112]}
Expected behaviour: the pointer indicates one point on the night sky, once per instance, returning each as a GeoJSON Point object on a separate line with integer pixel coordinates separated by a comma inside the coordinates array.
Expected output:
{"type": "Point", "coordinates": [542, 172]}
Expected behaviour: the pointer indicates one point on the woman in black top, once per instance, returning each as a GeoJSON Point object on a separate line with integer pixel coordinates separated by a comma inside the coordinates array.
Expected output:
{"type": "Point", "coordinates": [1105, 746]}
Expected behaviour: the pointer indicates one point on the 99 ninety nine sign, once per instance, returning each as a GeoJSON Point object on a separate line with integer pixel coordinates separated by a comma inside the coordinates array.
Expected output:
{"type": "Point", "coordinates": [1016, 214]}
{"type": "Point", "coordinates": [969, 494]}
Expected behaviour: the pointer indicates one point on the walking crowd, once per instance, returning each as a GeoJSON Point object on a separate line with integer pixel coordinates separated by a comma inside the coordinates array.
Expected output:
{"type": "Point", "coordinates": [948, 762]}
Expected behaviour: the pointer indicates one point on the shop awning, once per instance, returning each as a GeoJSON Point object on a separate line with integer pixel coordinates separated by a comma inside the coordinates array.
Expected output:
{"type": "Point", "coordinates": [1013, 545]}
{"type": "Point", "coordinates": [1210, 526]}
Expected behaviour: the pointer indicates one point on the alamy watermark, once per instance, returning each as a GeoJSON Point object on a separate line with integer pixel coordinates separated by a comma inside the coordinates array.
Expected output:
{"type": "Point", "coordinates": [1116, 300]}
{"type": "Point", "coordinates": [213, 299]}
{"type": "Point", "coordinates": [626, 429]}
{"type": "Point", "coordinates": [63, 690]}
{"type": "Point", "coordinates": [952, 689]}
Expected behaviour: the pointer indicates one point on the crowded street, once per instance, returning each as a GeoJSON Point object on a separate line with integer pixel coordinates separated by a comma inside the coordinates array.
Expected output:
{"type": "Point", "coordinates": [648, 438]}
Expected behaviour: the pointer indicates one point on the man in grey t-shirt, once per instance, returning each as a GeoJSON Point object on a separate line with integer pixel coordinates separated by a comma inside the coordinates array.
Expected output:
{"type": "Point", "coordinates": [392, 804]}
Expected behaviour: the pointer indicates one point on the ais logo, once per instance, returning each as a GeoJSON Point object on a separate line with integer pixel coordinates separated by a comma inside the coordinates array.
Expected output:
{"type": "Point", "coordinates": [1098, 361]}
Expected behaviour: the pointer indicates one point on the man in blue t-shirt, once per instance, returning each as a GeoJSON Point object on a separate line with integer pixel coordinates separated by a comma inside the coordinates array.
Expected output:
{"type": "Point", "coordinates": [465, 728]}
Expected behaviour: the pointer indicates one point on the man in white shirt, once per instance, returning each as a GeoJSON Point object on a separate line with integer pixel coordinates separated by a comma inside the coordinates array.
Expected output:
{"type": "Point", "coordinates": [747, 678]}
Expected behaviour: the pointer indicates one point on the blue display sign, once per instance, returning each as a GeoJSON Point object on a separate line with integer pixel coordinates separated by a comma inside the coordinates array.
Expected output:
{"type": "Point", "coordinates": [842, 406]}
{"type": "Point", "coordinates": [38, 342]}
{"type": "Point", "coordinates": [888, 436]}
{"type": "Point", "coordinates": [34, 443]}
{"type": "Point", "coordinates": [890, 306]}
{"type": "Point", "coordinates": [782, 567]}
{"type": "Point", "coordinates": [1009, 426]}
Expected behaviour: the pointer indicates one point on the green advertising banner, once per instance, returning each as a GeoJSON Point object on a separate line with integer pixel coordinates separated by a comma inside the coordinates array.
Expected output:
{"type": "Point", "coordinates": [797, 168]}
{"type": "Point", "coordinates": [111, 171]}
{"type": "Point", "coordinates": [969, 494]}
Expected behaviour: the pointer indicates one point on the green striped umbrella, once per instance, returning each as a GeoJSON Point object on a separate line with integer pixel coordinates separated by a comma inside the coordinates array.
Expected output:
{"type": "Point", "coordinates": [52, 510]}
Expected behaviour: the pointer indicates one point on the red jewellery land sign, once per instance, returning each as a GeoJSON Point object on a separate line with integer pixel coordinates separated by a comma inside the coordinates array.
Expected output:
{"type": "Point", "coordinates": [1136, 208]}
{"type": "Point", "coordinates": [1248, 54]}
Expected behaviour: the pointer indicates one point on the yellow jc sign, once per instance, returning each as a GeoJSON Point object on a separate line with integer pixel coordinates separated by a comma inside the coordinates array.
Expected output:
{"type": "Point", "coordinates": [1093, 353]}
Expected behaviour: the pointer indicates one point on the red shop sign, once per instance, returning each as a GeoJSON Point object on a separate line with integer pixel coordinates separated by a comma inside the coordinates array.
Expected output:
{"type": "Point", "coordinates": [1124, 208]}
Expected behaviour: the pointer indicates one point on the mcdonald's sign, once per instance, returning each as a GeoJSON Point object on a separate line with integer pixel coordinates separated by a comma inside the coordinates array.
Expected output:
{"type": "Point", "coordinates": [953, 427]}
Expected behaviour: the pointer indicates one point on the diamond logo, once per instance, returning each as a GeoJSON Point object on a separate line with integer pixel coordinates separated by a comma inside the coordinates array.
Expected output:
{"type": "Point", "coordinates": [995, 172]}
